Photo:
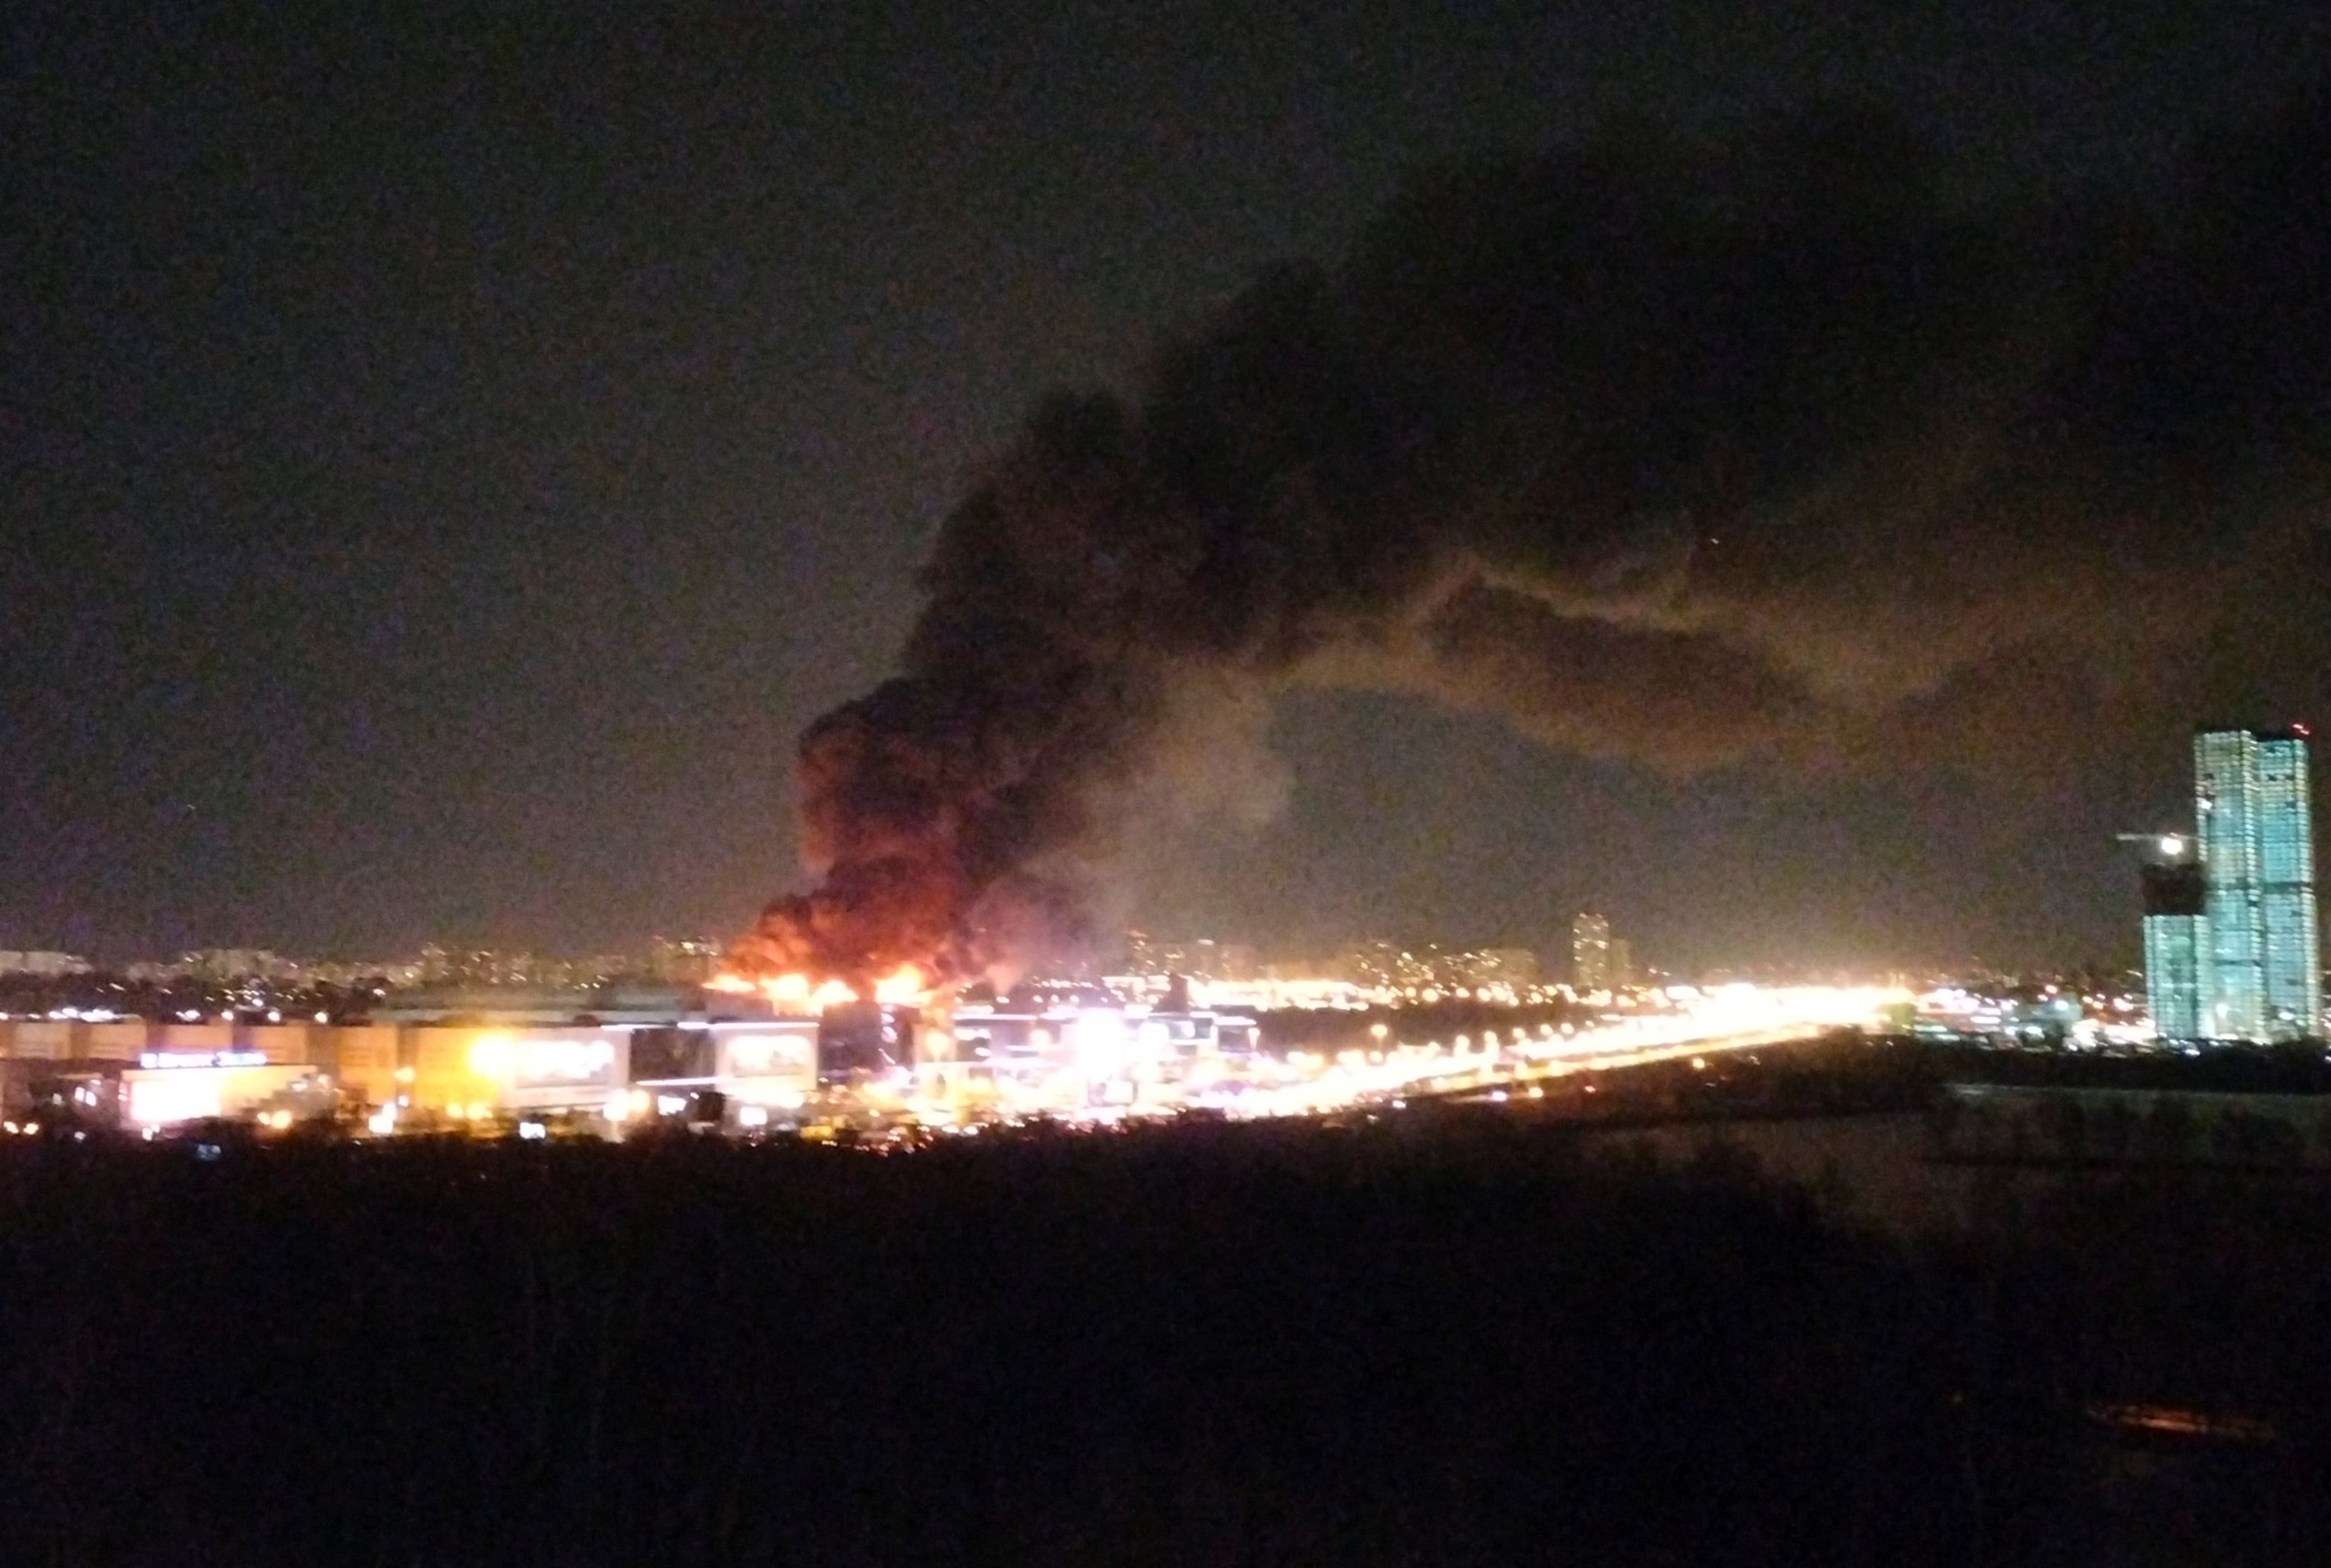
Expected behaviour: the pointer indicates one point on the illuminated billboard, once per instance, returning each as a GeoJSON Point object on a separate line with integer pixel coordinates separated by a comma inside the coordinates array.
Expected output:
{"type": "Point", "coordinates": [767, 1051]}
{"type": "Point", "coordinates": [765, 1064]}
{"type": "Point", "coordinates": [552, 1068]}
{"type": "Point", "coordinates": [185, 1090]}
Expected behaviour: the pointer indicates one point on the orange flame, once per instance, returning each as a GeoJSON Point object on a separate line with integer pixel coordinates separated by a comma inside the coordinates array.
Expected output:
{"type": "Point", "coordinates": [794, 993]}
{"type": "Point", "coordinates": [786, 988]}
{"type": "Point", "coordinates": [904, 986]}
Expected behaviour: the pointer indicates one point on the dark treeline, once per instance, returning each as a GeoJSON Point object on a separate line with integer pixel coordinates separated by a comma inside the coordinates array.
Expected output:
{"type": "Point", "coordinates": [1846, 1073]}
{"type": "Point", "coordinates": [1425, 1340]}
{"type": "Point", "coordinates": [2291, 1067]}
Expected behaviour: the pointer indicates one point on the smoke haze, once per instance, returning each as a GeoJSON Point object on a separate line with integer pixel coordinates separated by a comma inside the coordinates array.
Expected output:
{"type": "Point", "coordinates": [1760, 451]}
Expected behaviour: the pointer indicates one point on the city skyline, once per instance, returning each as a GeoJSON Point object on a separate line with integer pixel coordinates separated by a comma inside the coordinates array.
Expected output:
{"type": "Point", "coordinates": [1551, 929]}
{"type": "Point", "coordinates": [545, 459]}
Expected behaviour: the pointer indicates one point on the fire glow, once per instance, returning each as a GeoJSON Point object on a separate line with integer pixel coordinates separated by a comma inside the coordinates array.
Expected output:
{"type": "Point", "coordinates": [796, 993]}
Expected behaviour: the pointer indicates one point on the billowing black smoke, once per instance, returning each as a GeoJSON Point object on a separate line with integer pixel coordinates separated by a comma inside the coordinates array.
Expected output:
{"type": "Point", "coordinates": [1679, 453]}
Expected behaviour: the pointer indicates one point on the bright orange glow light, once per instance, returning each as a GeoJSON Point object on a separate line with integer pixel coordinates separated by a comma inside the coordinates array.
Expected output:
{"type": "Point", "coordinates": [904, 986]}
{"type": "Point", "coordinates": [725, 981]}
{"type": "Point", "coordinates": [832, 993]}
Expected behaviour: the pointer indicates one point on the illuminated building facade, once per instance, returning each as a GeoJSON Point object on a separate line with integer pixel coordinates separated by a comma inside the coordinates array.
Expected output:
{"type": "Point", "coordinates": [2254, 817]}
{"type": "Point", "coordinates": [1590, 952]}
{"type": "Point", "coordinates": [2225, 766]}
{"type": "Point", "coordinates": [2291, 950]}
{"type": "Point", "coordinates": [2177, 944]}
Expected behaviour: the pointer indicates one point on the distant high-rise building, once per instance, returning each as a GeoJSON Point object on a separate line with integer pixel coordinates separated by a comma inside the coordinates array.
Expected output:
{"type": "Point", "coordinates": [222, 964]}
{"type": "Point", "coordinates": [1514, 966]}
{"type": "Point", "coordinates": [683, 961]}
{"type": "Point", "coordinates": [2225, 770]}
{"type": "Point", "coordinates": [1623, 963]}
{"type": "Point", "coordinates": [46, 965]}
{"type": "Point", "coordinates": [1590, 952]}
{"type": "Point", "coordinates": [2254, 818]}
{"type": "Point", "coordinates": [2176, 942]}
{"type": "Point", "coordinates": [2291, 950]}
{"type": "Point", "coordinates": [1201, 958]}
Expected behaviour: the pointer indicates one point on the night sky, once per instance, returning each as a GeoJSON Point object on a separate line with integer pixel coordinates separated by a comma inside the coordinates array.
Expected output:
{"type": "Point", "coordinates": [447, 461]}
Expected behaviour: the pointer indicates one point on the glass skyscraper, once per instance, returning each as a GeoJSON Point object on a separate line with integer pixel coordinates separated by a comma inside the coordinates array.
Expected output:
{"type": "Point", "coordinates": [2225, 769]}
{"type": "Point", "coordinates": [2252, 811]}
{"type": "Point", "coordinates": [2176, 944]}
{"type": "Point", "coordinates": [2290, 958]}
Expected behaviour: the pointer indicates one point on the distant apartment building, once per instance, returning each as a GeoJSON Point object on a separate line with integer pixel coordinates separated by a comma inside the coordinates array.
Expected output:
{"type": "Point", "coordinates": [41, 964]}
{"type": "Point", "coordinates": [486, 968]}
{"type": "Point", "coordinates": [1201, 958]}
{"type": "Point", "coordinates": [355, 972]}
{"type": "Point", "coordinates": [1379, 965]}
{"type": "Point", "coordinates": [222, 964]}
{"type": "Point", "coordinates": [1513, 966]}
{"type": "Point", "coordinates": [1590, 952]}
{"type": "Point", "coordinates": [681, 961]}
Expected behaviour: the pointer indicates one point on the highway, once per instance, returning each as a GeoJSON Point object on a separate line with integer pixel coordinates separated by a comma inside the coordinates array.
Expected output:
{"type": "Point", "coordinates": [1733, 1017]}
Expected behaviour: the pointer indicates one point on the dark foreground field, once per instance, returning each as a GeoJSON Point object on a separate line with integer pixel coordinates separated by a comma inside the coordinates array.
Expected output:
{"type": "Point", "coordinates": [1444, 1338]}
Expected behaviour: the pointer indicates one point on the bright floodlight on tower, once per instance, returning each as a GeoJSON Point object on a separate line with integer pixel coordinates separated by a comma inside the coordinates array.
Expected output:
{"type": "Point", "coordinates": [2173, 845]}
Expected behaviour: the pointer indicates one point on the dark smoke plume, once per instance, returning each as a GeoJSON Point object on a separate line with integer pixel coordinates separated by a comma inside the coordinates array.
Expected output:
{"type": "Point", "coordinates": [1683, 454]}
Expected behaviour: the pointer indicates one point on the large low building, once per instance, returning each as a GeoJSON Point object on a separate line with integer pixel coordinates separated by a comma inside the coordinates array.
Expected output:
{"type": "Point", "coordinates": [446, 1067]}
{"type": "Point", "coordinates": [452, 1070]}
{"type": "Point", "coordinates": [169, 1087]}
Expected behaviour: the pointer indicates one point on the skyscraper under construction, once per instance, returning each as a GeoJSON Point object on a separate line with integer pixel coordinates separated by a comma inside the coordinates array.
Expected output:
{"type": "Point", "coordinates": [2176, 941]}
